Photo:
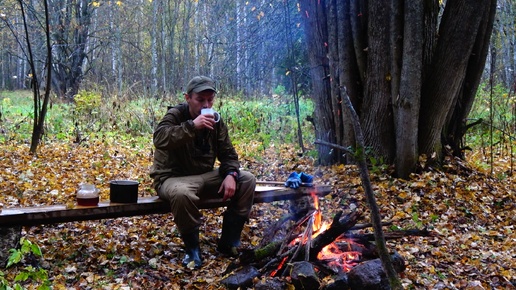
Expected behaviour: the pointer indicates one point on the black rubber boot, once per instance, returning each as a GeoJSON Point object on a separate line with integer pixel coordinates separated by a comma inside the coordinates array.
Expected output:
{"type": "Point", "coordinates": [192, 249]}
{"type": "Point", "coordinates": [232, 226]}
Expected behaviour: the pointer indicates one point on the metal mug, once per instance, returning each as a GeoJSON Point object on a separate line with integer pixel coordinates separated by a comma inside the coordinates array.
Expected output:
{"type": "Point", "coordinates": [211, 111]}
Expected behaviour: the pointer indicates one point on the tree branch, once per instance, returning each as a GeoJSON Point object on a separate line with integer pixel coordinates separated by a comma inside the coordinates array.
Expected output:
{"type": "Point", "coordinates": [366, 183]}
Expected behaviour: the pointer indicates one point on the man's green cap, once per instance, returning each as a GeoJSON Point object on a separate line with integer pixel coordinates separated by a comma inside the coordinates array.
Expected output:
{"type": "Point", "coordinates": [199, 84]}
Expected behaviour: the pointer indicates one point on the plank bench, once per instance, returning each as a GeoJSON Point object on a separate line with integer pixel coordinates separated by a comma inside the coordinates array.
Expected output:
{"type": "Point", "coordinates": [38, 215]}
{"type": "Point", "coordinates": [13, 219]}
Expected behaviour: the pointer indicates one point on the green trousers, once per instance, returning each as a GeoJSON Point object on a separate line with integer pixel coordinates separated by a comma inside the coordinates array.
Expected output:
{"type": "Point", "coordinates": [185, 192]}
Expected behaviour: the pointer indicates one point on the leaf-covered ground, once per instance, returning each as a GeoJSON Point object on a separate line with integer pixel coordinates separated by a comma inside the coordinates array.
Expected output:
{"type": "Point", "coordinates": [472, 215]}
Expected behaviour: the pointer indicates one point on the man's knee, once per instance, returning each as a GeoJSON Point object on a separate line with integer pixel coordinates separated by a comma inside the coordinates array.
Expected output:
{"type": "Point", "coordinates": [182, 197]}
{"type": "Point", "coordinates": [177, 193]}
{"type": "Point", "coordinates": [247, 178]}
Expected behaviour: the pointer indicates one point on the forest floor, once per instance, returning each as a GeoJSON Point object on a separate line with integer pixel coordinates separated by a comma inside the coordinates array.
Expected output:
{"type": "Point", "coordinates": [471, 214]}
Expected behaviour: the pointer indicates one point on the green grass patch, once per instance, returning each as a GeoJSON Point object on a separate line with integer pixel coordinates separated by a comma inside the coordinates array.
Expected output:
{"type": "Point", "coordinates": [94, 116]}
{"type": "Point", "coordinates": [269, 121]}
{"type": "Point", "coordinates": [494, 109]}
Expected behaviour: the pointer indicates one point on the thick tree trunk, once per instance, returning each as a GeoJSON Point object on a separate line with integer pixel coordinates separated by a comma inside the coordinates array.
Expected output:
{"type": "Point", "coordinates": [407, 101]}
{"type": "Point", "coordinates": [348, 71]}
{"type": "Point", "coordinates": [317, 35]}
{"type": "Point", "coordinates": [80, 39]}
{"type": "Point", "coordinates": [430, 27]}
{"type": "Point", "coordinates": [359, 19]}
{"type": "Point", "coordinates": [377, 117]}
{"type": "Point", "coordinates": [408, 72]}
{"type": "Point", "coordinates": [456, 123]}
{"type": "Point", "coordinates": [457, 34]}
{"type": "Point", "coordinates": [71, 49]}
{"type": "Point", "coordinates": [333, 57]}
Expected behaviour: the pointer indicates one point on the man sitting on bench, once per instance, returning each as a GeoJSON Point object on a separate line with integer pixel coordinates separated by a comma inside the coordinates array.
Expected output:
{"type": "Point", "coordinates": [187, 144]}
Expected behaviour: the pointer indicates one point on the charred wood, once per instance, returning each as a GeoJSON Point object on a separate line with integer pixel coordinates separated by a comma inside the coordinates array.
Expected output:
{"type": "Point", "coordinates": [303, 275]}
{"type": "Point", "coordinates": [241, 279]}
{"type": "Point", "coordinates": [337, 228]}
{"type": "Point", "coordinates": [371, 275]}
{"type": "Point", "coordinates": [391, 235]}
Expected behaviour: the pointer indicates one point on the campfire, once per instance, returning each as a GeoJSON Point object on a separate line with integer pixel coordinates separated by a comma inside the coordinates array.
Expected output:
{"type": "Point", "coordinates": [303, 250]}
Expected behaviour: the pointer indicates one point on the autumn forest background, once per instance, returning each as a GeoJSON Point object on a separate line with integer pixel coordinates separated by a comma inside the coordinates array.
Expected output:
{"type": "Point", "coordinates": [86, 111]}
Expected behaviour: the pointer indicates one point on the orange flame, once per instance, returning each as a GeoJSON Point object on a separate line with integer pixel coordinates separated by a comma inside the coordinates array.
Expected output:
{"type": "Point", "coordinates": [337, 259]}
{"type": "Point", "coordinates": [273, 273]}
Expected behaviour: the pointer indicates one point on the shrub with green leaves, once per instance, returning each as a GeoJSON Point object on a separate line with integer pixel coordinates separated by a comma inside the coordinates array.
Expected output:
{"type": "Point", "coordinates": [27, 273]}
{"type": "Point", "coordinates": [87, 102]}
{"type": "Point", "coordinates": [266, 121]}
{"type": "Point", "coordinates": [494, 110]}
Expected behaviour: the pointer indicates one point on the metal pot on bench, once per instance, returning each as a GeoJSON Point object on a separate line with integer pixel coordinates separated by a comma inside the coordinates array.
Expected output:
{"type": "Point", "coordinates": [123, 191]}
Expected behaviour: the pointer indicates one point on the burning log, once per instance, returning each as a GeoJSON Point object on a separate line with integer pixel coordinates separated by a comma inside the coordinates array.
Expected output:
{"type": "Point", "coordinates": [318, 250]}
{"type": "Point", "coordinates": [267, 251]}
{"type": "Point", "coordinates": [337, 228]}
{"type": "Point", "coordinates": [308, 249]}
{"type": "Point", "coordinates": [383, 252]}
{"type": "Point", "coordinates": [330, 250]}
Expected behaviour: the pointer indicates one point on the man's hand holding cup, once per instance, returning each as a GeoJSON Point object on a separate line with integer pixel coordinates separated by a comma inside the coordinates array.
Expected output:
{"type": "Point", "coordinates": [208, 118]}
{"type": "Point", "coordinates": [211, 112]}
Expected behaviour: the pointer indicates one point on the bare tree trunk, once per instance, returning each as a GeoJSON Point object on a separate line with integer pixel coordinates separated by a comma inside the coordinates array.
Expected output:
{"type": "Point", "coordinates": [459, 28]}
{"type": "Point", "coordinates": [349, 73]}
{"type": "Point", "coordinates": [198, 19]}
{"type": "Point", "coordinates": [377, 116]}
{"type": "Point", "coordinates": [116, 47]}
{"type": "Point", "coordinates": [456, 122]}
{"type": "Point", "coordinates": [316, 34]}
{"type": "Point", "coordinates": [171, 12]}
{"type": "Point", "coordinates": [407, 100]}
{"type": "Point", "coordinates": [186, 41]}
{"type": "Point", "coordinates": [70, 22]}
{"type": "Point", "coordinates": [154, 49]}
{"type": "Point", "coordinates": [334, 68]}
{"type": "Point", "coordinates": [239, 57]}
{"type": "Point", "coordinates": [294, 77]}
{"type": "Point", "coordinates": [359, 22]}
{"type": "Point", "coordinates": [40, 110]}
{"type": "Point", "coordinates": [506, 26]}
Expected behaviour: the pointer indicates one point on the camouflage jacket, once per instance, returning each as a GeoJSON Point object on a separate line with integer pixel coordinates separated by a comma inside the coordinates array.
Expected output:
{"type": "Point", "coordinates": [182, 150]}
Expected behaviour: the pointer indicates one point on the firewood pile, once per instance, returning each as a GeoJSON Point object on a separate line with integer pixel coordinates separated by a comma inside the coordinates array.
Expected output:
{"type": "Point", "coordinates": [302, 251]}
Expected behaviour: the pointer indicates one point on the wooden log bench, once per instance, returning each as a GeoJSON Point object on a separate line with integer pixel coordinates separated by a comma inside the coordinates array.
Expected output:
{"type": "Point", "coordinates": [13, 219]}
{"type": "Point", "coordinates": [38, 215]}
